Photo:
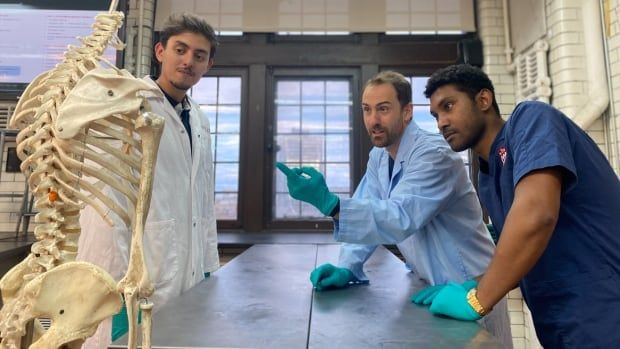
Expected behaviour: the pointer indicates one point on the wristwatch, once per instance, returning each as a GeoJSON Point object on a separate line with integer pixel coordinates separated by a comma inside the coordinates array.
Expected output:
{"type": "Point", "coordinates": [472, 299]}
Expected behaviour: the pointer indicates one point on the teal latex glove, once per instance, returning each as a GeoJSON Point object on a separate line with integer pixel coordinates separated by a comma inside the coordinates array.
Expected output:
{"type": "Point", "coordinates": [451, 301]}
{"type": "Point", "coordinates": [120, 324]}
{"type": "Point", "coordinates": [426, 295]}
{"type": "Point", "coordinates": [329, 276]}
{"type": "Point", "coordinates": [312, 190]}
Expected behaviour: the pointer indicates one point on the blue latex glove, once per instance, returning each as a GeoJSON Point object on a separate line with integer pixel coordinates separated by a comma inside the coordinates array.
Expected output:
{"type": "Point", "coordinates": [312, 190]}
{"type": "Point", "coordinates": [329, 276]}
{"type": "Point", "coordinates": [451, 301]}
{"type": "Point", "coordinates": [426, 295]}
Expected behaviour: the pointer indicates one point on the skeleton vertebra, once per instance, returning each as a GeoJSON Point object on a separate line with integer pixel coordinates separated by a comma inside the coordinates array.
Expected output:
{"type": "Point", "coordinates": [79, 121]}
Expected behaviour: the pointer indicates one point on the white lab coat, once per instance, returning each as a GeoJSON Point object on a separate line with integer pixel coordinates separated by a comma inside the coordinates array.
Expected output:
{"type": "Point", "coordinates": [180, 239]}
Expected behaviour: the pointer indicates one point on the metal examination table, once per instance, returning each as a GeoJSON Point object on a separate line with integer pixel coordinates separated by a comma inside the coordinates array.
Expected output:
{"type": "Point", "coordinates": [263, 299]}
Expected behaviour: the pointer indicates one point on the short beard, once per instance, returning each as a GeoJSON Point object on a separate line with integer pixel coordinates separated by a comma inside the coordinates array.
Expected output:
{"type": "Point", "coordinates": [477, 134]}
{"type": "Point", "coordinates": [386, 143]}
{"type": "Point", "coordinates": [180, 87]}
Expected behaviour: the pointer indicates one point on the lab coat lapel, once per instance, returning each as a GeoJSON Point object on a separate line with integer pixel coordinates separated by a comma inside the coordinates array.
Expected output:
{"type": "Point", "coordinates": [403, 148]}
{"type": "Point", "coordinates": [384, 173]}
{"type": "Point", "coordinates": [197, 130]}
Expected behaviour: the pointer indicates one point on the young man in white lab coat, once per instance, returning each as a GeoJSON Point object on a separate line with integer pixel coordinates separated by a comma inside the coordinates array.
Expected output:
{"type": "Point", "coordinates": [180, 238]}
{"type": "Point", "coordinates": [415, 193]}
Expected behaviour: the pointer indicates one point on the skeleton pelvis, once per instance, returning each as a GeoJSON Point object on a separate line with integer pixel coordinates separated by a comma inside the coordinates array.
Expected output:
{"type": "Point", "coordinates": [76, 296]}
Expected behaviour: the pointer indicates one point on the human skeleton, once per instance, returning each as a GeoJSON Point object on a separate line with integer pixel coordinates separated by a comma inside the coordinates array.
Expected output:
{"type": "Point", "coordinates": [84, 125]}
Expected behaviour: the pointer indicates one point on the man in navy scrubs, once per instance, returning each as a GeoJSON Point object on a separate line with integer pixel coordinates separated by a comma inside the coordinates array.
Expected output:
{"type": "Point", "coordinates": [555, 201]}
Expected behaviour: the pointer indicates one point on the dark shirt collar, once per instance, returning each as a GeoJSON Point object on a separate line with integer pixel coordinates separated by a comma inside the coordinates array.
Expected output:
{"type": "Point", "coordinates": [185, 102]}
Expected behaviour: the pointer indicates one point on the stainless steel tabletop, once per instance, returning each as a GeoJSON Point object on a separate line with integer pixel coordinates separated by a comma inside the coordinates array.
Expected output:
{"type": "Point", "coordinates": [381, 315]}
{"type": "Point", "coordinates": [263, 299]}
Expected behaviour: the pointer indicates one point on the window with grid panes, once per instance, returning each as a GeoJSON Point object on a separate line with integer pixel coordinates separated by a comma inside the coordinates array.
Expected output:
{"type": "Point", "coordinates": [220, 99]}
{"type": "Point", "coordinates": [313, 128]}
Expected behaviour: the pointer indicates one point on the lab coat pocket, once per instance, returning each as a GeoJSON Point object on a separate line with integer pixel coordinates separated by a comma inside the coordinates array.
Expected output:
{"type": "Point", "coordinates": [208, 245]}
{"type": "Point", "coordinates": [160, 251]}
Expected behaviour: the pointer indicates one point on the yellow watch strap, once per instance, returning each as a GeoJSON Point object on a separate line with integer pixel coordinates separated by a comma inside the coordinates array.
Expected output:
{"type": "Point", "coordinates": [472, 299]}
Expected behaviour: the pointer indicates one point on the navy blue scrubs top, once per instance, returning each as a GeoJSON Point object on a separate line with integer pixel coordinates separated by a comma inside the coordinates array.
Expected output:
{"type": "Point", "coordinates": [573, 291]}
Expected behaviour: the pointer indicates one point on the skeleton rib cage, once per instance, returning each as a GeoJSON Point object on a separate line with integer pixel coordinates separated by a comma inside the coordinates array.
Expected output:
{"type": "Point", "coordinates": [84, 126]}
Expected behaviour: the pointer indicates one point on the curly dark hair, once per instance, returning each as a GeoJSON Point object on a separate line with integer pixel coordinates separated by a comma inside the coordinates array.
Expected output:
{"type": "Point", "coordinates": [188, 23]}
{"type": "Point", "coordinates": [466, 78]}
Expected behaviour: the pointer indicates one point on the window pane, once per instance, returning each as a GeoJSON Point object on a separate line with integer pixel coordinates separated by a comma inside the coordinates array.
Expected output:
{"type": "Point", "coordinates": [226, 207]}
{"type": "Point", "coordinates": [228, 119]}
{"type": "Point", "coordinates": [288, 119]}
{"type": "Point", "coordinates": [314, 130]}
{"type": "Point", "coordinates": [418, 84]}
{"type": "Point", "coordinates": [289, 148]}
{"type": "Point", "coordinates": [210, 111]}
{"type": "Point", "coordinates": [309, 211]}
{"type": "Point", "coordinates": [286, 207]}
{"type": "Point", "coordinates": [337, 177]}
{"type": "Point", "coordinates": [227, 148]}
{"type": "Point", "coordinates": [205, 91]}
{"type": "Point", "coordinates": [313, 92]}
{"type": "Point", "coordinates": [423, 118]}
{"type": "Point", "coordinates": [337, 119]}
{"type": "Point", "coordinates": [337, 148]}
{"type": "Point", "coordinates": [337, 92]}
{"type": "Point", "coordinates": [229, 91]}
{"type": "Point", "coordinates": [288, 92]}
{"type": "Point", "coordinates": [313, 148]}
{"type": "Point", "coordinates": [226, 177]}
{"type": "Point", "coordinates": [312, 119]}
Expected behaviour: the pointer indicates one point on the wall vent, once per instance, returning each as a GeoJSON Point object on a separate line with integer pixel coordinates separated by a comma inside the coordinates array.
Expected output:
{"type": "Point", "coordinates": [6, 110]}
{"type": "Point", "coordinates": [533, 81]}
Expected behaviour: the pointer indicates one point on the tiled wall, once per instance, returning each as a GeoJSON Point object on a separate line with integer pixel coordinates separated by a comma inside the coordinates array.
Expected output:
{"type": "Point", "coordinates": [568, 72]}
{"type": "Point", "coordinates": [491, 31]}
{"type": "Point", "coordinates": [613, 40]}
{"type": "Point", "coordinates": [11, 190]}
{"type": "Point", "coordinates": [567, 62]}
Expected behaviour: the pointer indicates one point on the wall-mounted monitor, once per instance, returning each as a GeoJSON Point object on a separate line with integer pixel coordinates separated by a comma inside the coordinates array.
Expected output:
{"type": "Point", "coordinates": [35, 34]}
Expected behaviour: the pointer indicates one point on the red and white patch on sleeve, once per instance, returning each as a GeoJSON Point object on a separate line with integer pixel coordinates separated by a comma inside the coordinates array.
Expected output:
{"type": "Point", "coordinates": [502, 154]}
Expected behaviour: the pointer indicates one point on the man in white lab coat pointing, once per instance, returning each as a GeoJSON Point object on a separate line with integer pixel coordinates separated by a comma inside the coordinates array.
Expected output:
{"type": "Point", "coordinates": [180, 238]}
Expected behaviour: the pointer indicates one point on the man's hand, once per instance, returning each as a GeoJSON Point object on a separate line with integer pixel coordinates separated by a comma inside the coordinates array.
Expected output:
{"type": "Point", "coordinates": [452, 301]}
{"type": "Point", "coordinates": [311, 188]}
{"type": "Point", "coordinates": [428, 294]}
{"type": "Point", "coordinates": [329, 276]}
